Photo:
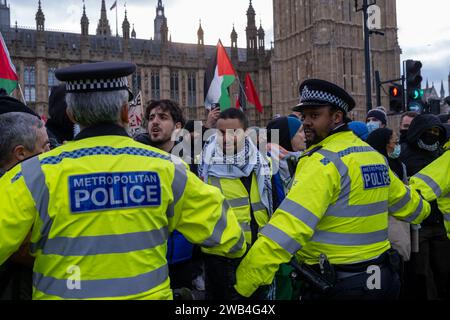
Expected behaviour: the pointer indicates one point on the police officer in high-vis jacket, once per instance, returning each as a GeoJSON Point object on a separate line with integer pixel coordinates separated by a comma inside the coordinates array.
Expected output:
{"type": "Point", "coordinates": [101, 208]}
{"type": "Point", "coordinates": [337, 210]}
{"type": "Point", "coordinates": [433, 182]}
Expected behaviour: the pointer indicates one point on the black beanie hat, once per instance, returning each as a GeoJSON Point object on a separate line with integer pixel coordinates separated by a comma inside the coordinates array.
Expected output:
{"type": "Point", "coordinates": [379, 139]}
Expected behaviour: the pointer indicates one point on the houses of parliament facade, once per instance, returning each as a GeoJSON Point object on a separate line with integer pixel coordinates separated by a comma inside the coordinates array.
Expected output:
{"type": "Point", "coordinates": [312, 39]}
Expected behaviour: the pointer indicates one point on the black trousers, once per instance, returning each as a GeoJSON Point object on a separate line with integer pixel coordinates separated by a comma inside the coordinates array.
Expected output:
{"type": "Point", "coordinates": [181, 275]}
{"type": "Point", "coordinates": [358, 287]}
{"type": "Point", "coordinates": [427, 274]}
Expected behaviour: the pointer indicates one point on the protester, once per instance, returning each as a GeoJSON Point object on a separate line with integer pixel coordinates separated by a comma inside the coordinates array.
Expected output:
{"type": "Point", "coordinates": [359, 129]}
{"type": "Point", "coordinates": [376, 119]}
{"type": "Point", "coordinates": [385, 141]}
{"type": "Point", "coordinates": [59, 127]}
{"type": "Point", "coordinates": [284, 153]}
{"type": "Point", "coordinates": [164, 118]}
{"type": "Point", "coordinates": [232, 163]}
{"type": "Point", "coordinates": [405, 123]}
{"type": "Point", "coordinates": [22, 135]}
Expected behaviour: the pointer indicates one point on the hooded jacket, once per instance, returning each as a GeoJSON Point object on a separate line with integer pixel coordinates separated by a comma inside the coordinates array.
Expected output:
{"type": "Point", "coordinates": [379, 139]}
{"type": "Point", "coordinates": [414, 157]}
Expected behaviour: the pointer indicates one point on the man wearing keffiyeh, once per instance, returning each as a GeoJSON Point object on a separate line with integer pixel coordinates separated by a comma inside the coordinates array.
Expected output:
{"type": "Point", "coordinates": [231, 162]}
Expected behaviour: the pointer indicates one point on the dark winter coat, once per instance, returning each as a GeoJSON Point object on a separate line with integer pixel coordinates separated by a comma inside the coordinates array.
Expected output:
{"type": "Point", "coordinates": [416, 158]}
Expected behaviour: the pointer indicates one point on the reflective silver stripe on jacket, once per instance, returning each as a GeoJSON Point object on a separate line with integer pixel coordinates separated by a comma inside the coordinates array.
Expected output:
{"type": "Point", "coordinates": [258, 206]}
{"type": "Point", "coordinates": [285, 241]}
{"type": "Point", "coordinates": [178, 186]}
{"type": "Point", "coordinates": [431, 183]}
{"type": "Point", "coordinates": [245, 226]}
{"type": "Point", "coordinates": [219, 228]}
{"type": "Point", "coordinates": [238, 202]}
{"type": "Point", "coordinates": [350, 239]}
{"type": "Point", "coordinates": [106, 244]}
{"type": "Point", "coordinates": [416, 213]}
{"type": "Point", "coordinates": [238, 246]}
{"type": "Point", "coordinates": [35, 180]}
{"type": "Point", "coordinates": [104, 288]}
{"type": "Point", "coordinates": [342, 207]}
{"type": "Point", "coordinates": [401, 203]}
{"type": "Point", "coordinates": [216, 182]}
{"type": "Point", "coordinates": [299, 212]}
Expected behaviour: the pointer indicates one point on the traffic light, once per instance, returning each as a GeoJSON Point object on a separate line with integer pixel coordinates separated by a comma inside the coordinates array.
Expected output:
{"type": "Point", "coordinates": [396, 98]}
{"type": "Point", "coordinates": [414, 86]}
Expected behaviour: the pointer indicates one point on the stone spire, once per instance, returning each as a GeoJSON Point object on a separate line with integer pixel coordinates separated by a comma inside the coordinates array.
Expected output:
{"type": "Point", "coordinates": [103, 27]}
{"type": "Point", "coordinates": [126, 27]}
{"type": "Point", "coordinates": [164, 32]}
{"type": "Point", "coordinates": [133, 33]}
{"type": "Point", "coordinates": [261, 38]}
{"type": "Point", "coordinates": [200, 34]}
{"type": "Point", "coordinates": [442, 89]}
{"type": "Point", "coordinates": [160, 20]}
{"type": "Point", "coordinates": [234, 49]}
{"type": "Point", "coordinates": [84, 22]}
{"type": "Point", "coordinates": [252, 32]}
{"type": "Point", "coordinates": [40, 18]}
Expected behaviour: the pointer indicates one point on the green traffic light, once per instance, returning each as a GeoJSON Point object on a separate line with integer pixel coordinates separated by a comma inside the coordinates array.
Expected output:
{"type": "Point", "coordinates": [417, 94]}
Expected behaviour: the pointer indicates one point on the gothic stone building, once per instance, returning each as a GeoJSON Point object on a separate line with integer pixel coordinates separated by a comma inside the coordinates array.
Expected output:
{"type": "Point", "coordinates": [313, 39]}
{"type": "Point", "coordinates": [324, 39]}
{"type": "Point", "coordinates": [165, 69]}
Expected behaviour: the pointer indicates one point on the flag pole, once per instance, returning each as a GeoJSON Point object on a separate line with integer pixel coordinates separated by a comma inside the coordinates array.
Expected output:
{"type": "Point", "coordinates": [243, 90]}
{"type": "Point", "coordinates": [21, 94]}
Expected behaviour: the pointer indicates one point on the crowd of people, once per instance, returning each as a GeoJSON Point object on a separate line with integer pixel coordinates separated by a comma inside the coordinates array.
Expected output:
{"type": "Point", "coordinates": [304, 208]}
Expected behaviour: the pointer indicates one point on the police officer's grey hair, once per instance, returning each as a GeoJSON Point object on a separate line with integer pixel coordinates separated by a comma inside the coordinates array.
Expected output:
{"type": "Point", "coordinates": [96, 107]}
{"type": "Point", "coordinates": [17, 128]}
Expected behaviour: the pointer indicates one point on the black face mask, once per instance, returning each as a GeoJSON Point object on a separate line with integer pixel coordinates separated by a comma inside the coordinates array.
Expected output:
{"type": "Point", "coordinates": [403, 135]}
{"type": "Point", "coordinates": [429, 138]}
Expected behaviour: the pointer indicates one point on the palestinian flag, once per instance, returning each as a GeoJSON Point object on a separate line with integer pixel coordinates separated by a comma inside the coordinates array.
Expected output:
{"type": "Point", "coordinates": [219, 76]}
{"type": "Point", "coordinates": [8, 75]}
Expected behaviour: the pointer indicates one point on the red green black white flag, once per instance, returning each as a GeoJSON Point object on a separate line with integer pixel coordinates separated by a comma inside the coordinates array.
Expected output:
{"type": "Point", "coordinates": [219, 76]}
{"type": "Point", "coordinates": [8, 75]}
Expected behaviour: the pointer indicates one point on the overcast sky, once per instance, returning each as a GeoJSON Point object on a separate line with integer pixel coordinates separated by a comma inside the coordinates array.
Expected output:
{"type": "Point", "coordinates": [424, 26]}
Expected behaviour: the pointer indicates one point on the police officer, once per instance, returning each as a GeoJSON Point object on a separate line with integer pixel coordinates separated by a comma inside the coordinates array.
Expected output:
{"type": "Point", "coordinates": [434, 185]}
{"type": "Point", "coordinates": [337, 210]}
{"type": "Point", "coordinates": [101, 207]}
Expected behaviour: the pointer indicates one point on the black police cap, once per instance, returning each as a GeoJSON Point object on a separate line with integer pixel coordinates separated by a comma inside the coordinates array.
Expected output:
{"type": "Point", "coordinates": [318, 93]}
{"type": "Point", "coordinates": [97, 77]}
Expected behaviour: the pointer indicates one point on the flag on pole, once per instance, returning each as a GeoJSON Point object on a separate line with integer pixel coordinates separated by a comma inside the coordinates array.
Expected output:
{"type": "Point", "coordinates": [8, 74]}
{"type": "Point", "coordinates": [219, 76]}
{"type": "Point", "coordinates": [114, 5]}
{"type": "Point", "coordinates": [252, 95]}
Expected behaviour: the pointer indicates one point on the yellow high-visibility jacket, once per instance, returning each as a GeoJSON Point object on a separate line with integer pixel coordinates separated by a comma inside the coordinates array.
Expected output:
{"type": "Point", "coordinates": [338, 205]}
{"type": "Point", "coordinates": [101, 210]}
{"type": "Point", "coordinates": [241, 201]}
{"type": "Point", "coordinates": [433, 182]}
